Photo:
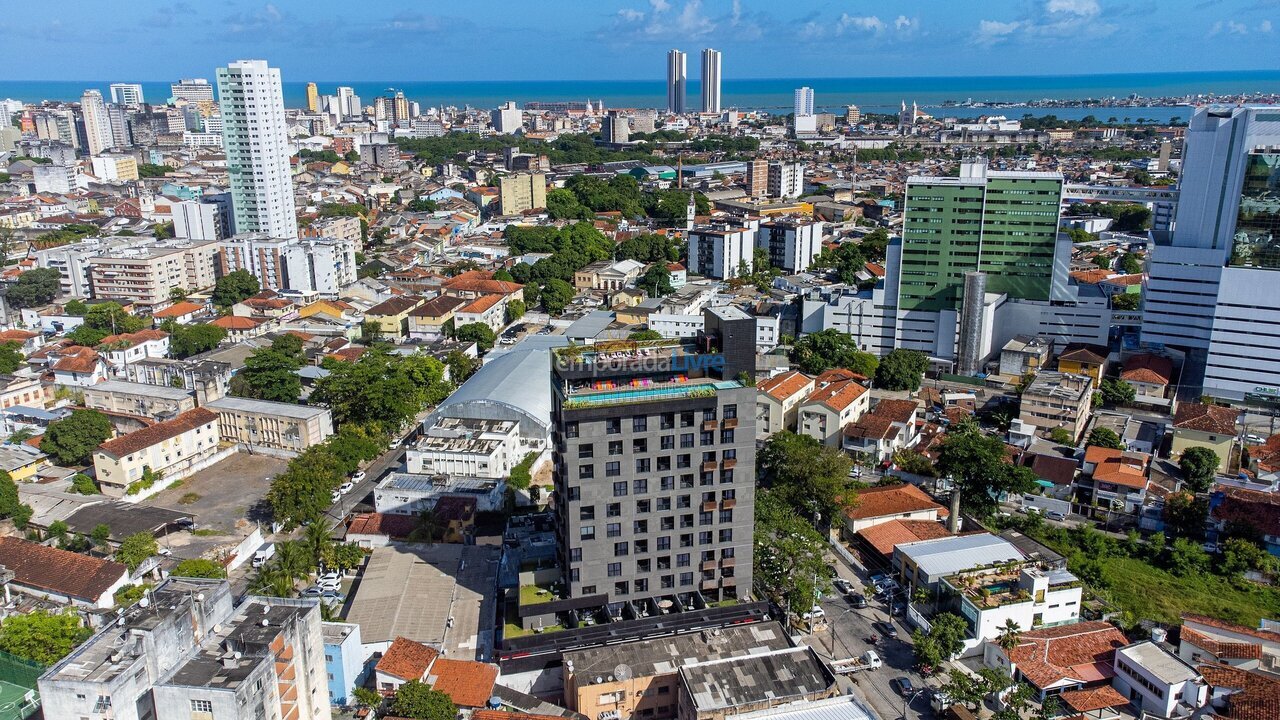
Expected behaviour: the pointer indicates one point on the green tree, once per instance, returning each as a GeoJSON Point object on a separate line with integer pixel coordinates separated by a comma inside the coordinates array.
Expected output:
{"type": "Point", "coordinates": [75, 308]}
{"type": "Point", "coordinates": [34, 288]}
{"type": "Point", "coordinates": [1105, 437]}
{"type": "Point", "coordinates": [136, 548]}
{"type": "Point", "coordinates": [1186, 557]}
{"type": "Point", "coordinates": [809, 476]}
{"type": "Point", "coordinates": [235, 286]}
{"type": "Point", "coordinates": [147, 170]}
{"type": "Point", "coordinates": [100, 534]}
{"type": "Point", "coordinates": [656, 281]}
{"type": "Point", "coordinates": [515, 310]}
{"type": "Point", "coordinates": [980, 469]}
{"type": "Point", "coordinates": [111, 318]}
{"type": "Point", "coordinates": [381, 390]}
{"type": "Point", "coordinates": [418, 700]}
{"type": "Point", "coordinates": [1117, 392]}
{"type": "Point", "coordinates": [270, 373]}
{"type": "Point", "coordinates": [73, 439]}
{"type": "Point", "coordinates": [643, 335]}
{"type": "Point", "coordinates": [84, 484]}
{"type": "Point", "coordinates": [790, 555]}
{"type": "Point", "coordinates": [1130, 264]}
{"type": "Point", "coordinates": [302, 492]}
{"type": "Point", "coordinates": [556, 294]}
{"type": "Point", "coordinates": [562, 204]}
{"type": "Point", "coordinates": [354, 444]}
{"type": "Point", "coordinates": [11, 357]}
{"type": "Point", "coordinates": [1184, 515]}
{"type": "Point", "coordinates": [1126, 301]}
{"type": "Point", "coordinates": [58, 529]}
{"type": "Point", "coordinates": [461, 366]}
{"type": "Point", "coordinates": [42, 636]}
{"type": "Point", "coordinates": [188, 340]}
{"type": "Point", "coordinates": [482, 335]}
{"type": "Point", "coordinates": [821, 351]}
{"type": "Point", "coordinates": [86, 336]}
{"type": "Point", "coordinates": [1010, 635]}
{"type": "Point", "coordinates": [365, 697]}
{"type": "Point", "coordinates": [964, 689]}
{"type": "Point", "coordinates": [945, 638]}
{"type": "Point", "coordinates": [1062, 436]}
{"type": "Point", "coordinates": [1199, 466]}
{"type": "Point", "coordinates": [200, 568]}
{"type": "Point", "coordinates": [901, 370]}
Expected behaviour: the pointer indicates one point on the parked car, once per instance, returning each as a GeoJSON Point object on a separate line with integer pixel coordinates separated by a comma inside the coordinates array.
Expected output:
{"type": "Point", "coordinates": [346, 487]}
{"type": "Point", "coordinates": [903, 685]}
{"type": "Point", "coordinates": [1056, 515]}
{"type": "Point", "coordinates": [844, 586]}
{"type": "Point", "coordinates": [164, 551]}
{"type": "Point", "coordinates": [887, 629]}
{"type": "Point", "coordinates": [358, 476]}
{"type": "Point", "coordinates": [312, 592]}
{"type": "Point", "coordinates": [335, 496]}
{"type": "Point", "coordinates": [815, 613]}
{"type": "Point", "coordinates": [332, 596]}
{"type": "Point", "coordinates": [1028, 510]}
{"type": "Point", "coordinates": [857, 600]}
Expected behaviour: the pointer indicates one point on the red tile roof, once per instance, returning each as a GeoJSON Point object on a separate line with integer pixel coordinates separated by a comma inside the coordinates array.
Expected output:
{"type": "Point", "coordinates": [178, 309]}
{"type": "Point", "coordinates": [1257, 696]}
{"type": "Point", "coordinates": [16, 335]}
{"type": "Point", "coordinates": [77, 360]}
{"type": "Point", "coordinates": [1098, 698]}
{"type": "Point", "coordinates": [438, 306]}
{"type": "Point", "coordinates": [481, 304]}
{"type": "Point", "coordinates": [1084, 353]}
{"type": "Point", "coordinates": [1148, 368]}
{"type": "Point", "coordinates": [504, 715]}
{"type": "Point", "coordinates": [59, 571]}
{"type": "Point", "coordinates": [838, 395]}
{"type": "Point", "coordinates": [1082, 651]}
{"type": "Point", "coordinates": [128, 340]}
{"type": "Point", "coordinates": [237, 322]}
{"type": "Point", "coordinates": [387, 524]}
{"type": "Point", "coordinates": [885, 536]}
{"type": "Point", "coordinates": [148, 436]}
{"type": "Point", "coordinates": [1259, 510]}
{"type": "Point", "coordinates": [481, 281]}
{"type": "Point", "coordinates": [1118, 467]}
{"type": "Point", "coordinates": [892, 500]}
{"type": "Point", "coordinates": [1222, 650]}
{"type": "Point", "coordinates": [1215, 419]}
{"type": "Point", "coordinates": [406, 659]}
{"type": "Point", "coordinates": [1212, 622]}
{"type": "Point", "coordinates": [467, 682]}
{"type": "Point", "coordinates": [784, 385]}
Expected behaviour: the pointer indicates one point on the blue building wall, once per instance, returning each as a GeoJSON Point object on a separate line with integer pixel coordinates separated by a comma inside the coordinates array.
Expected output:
{"type": "Point", "coordinates": [344, 660]}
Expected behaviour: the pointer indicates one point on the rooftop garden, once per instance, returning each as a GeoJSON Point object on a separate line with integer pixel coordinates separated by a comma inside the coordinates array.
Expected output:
{"type": "Point", "coordinates": [535, 595]}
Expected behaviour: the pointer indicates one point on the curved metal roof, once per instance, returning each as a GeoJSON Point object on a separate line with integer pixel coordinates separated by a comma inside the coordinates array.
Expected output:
{"type": "Point", "coordinates": [513, 385]}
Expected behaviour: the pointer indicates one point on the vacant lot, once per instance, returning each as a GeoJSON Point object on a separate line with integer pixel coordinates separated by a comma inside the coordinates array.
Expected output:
{"type": "Point", "coordinates": [1156, 594]}
{"type": "Point", "coordinates": [225, 494]}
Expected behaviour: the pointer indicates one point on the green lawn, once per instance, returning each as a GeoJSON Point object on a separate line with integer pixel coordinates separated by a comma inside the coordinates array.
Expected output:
{"type": "Point", "coordinates": [1152, 593]}
{"type": "Point", "coordinates": [534, 595]}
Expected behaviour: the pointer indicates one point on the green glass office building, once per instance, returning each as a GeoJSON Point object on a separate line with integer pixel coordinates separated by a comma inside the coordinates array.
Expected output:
{"type": "Point", "coordinates": [1004, 224]}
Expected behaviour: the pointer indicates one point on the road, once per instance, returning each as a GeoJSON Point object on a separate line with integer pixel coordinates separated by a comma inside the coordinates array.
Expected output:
{"type": "Point", "coordinates": [845, 635]}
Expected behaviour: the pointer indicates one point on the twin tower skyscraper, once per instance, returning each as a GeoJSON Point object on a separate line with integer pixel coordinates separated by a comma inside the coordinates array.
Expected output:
{"type": "Point", "coordinates": [677, 81]}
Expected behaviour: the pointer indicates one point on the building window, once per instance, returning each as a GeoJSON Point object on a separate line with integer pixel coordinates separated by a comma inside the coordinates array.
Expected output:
{"type": "Point", "coordinates": [639, 445]}
{"type": "Point", "coordinates": [613, 426]}
{"type": "Point", "coordinates": [571, 429]}
{"type": "Point", "coordinates": [575, 494]}
{"type": "Point", "coordinates": [613, 510]}
{"type": "Point", "coordinates": [664, 543]}
{"type": "Point", "coordinates": [642, 507]}
{"type": "Point", "coordinates": [615, 447]}
{"type": "Point", "coordinates": [640, 486]}
{"type": "Point", "coordinates": [667, 421]}
{"type": "Point", "coordinates": [588, 589]}
{"type": "Point", "coordinates": [587, 512]}
{"type": "Point", "coordinates": [640, 527]}
{"type": "Point", "coordinates": [620, 588]}
{"type": "Point", "coordinates": [686, 578]}
{"type": "Point", "coordinates": [586, 450]}
{"type": "Point", "coordinates": [667, 442]}
{"type": "Point", "coordinates": [615, 569]}
{"type": "Point", "coordinates": [726, 535]}
{"type": "Point", "coordinates": [686, 419]}
{"type": "Point", "coordinates": [202, 706]}
{"type": "Point", "coordinates": [642, 585]}
{"type": "Point", "coordinates": [643, 465]}
{"type": "Point", "coordinates": [621, 549]}
{"type": "Point", "coordinates": [613, 530]}
{"type": "Point", "coordinates": [664, 463]}
{"type": "Point", "coordinates": [613, 469]}
{"type": "Point", "coordinates": [730, 412]}
{"type": "Point", "coordinates": [620, 487]}
{"type": "Point", "coordinates": [587, 532]}
{"type": "Point", "coordinates": [586, 472]}
{"type": "Point", "coordinates": [575, 554]}
{"type": "Point", "coordinates": [639, 424]}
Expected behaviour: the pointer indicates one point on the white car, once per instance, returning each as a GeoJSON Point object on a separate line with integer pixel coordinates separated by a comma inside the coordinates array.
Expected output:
{"type": "Point", "coordinates": [166, 552]}
{"type": "Point", "coordinates": [815, 613]}
{"type": "Point", "coordinates": [358, 476]}
{"type": "Point", "coordinates": [335, 496]}
{"type": "Point", "coordinates": [346, 487]}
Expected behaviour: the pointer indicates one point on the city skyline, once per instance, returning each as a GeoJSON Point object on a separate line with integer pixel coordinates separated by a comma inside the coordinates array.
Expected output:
{"type": "Point", "coordinates": [911, 39]}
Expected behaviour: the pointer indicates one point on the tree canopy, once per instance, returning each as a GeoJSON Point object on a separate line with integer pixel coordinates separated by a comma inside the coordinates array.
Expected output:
{"type": "Point", "coordinates": [200, 568]}
{"type": "Point", "coordinates": [418, 700]}
{"type": "Point", "coordinates": [901, 370]}
{"type": "Point", "coordinates": [72, 440]}
{"type": "Point", "coordinates": [980, 469]}
{"type": "Point", "coordinates": [136, 548]}
{"type": "Point", "coordinates": [34, 288]}
{"type": "Point", "coordinates": [381, 390]}
{"type": "Point", "coordinates": [482, 335]}
{"type": "Point", "coordinates": [821, 351]}
{"type": "Point", "coordinates": [188, 340]}
{"type": "Point", "coordinates": [11, 357]}
{"type": "Point", "coordinates": [235, 286]}
{"type": "Point", "coordinates": [1105, 437]}
{"type": "Point", "coordinates": [790, 555]}
{"type": "Point", "coordinates": [809, 476]}
{"type": "Point", "coordinates": [270, 372]}
{"type": "Point", "coordinates": [42, 636]}
{"type": "Point", "coordinates": [656, 281]}
{"type": "Point", "coordinates": [1199, 465]}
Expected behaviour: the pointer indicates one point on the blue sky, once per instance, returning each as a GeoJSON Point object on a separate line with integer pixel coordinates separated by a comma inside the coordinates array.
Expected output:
{"type": "Point", "coordinates": [604, 39]}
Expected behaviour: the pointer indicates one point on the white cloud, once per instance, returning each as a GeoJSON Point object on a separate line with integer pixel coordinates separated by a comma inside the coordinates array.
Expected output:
{"type": "Point", "coordinates": [903, 23]}
{"type": "Point", "coordinates": [630, 14]}
{"type": "Point", "coordinates": [993, 31]}
{"type": "Point", "coordinates": [665, 20]}
{"type": "Point", "coordinates": [660, 5]}
{"type": "Point", "coordinates": [1237, 28]}
{"type": "Point", "coordinates": [868, 23]}
{"type": "Point", "coordinates": [1082, 8]}
{"type": "Point", "coordinates": [1264, 26]}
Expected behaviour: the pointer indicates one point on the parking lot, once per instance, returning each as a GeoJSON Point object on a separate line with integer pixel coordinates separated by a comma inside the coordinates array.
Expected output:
{"type": "Point", "coordinates": [226, 500]}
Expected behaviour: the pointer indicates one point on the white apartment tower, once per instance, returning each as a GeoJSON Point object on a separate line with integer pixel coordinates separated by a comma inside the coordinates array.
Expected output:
{"type": "Point", "coordinates": [804, 101]}
{"type": "Point", "coordinates": [348, 103]}
{"type": "Point", "coordinates": [710, 81]}
{"type": "Point", "coordinates": [786, 179]}
{"type": "Point", "coordinates": [676, 81]}
{"type": "Point", "coordinates": [256, 140]}
{"type": "Point", "coordinates": [126, 93]}
{"type": "Point", "coordinates": [97, 125]}
{"type": "Point", "coordinates": [192, 90]}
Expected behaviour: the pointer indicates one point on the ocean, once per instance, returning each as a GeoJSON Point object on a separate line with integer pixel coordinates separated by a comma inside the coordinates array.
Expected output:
{"type": "Point", "coordinates": [877, 94]}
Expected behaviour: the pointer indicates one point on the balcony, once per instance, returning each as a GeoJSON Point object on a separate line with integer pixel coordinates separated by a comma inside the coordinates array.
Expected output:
{"type": "Point", "coordinates": [728, 503]}
{"type": "Point", "coordinates": [708, 506]}
{"type": "Point", "coordinates": [709, 466]}
{"type": "Point", "coordinates": [708, 425]}
{"type": "Point", "coordinates": [727, 562]}
{"type": "Point", "coordinates": [708, 565]}
{"type": "Point", "coordinates": [730, 423]}
{"type": "Point", "coordinates": [729, 463]}
{"type": "Point", "coordinates": [709, 584]}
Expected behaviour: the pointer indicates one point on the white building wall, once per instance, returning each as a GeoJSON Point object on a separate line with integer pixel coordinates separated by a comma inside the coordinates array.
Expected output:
{"type": "Point", "coordinates": [256, 141]}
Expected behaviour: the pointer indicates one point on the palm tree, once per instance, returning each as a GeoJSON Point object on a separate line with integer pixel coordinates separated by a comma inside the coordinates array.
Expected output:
{"type": "Point", "coordinates": [273, 582]}
{"type": "Point", "coordinates": [317, 540]}
{"type": "Point", "coordinates": [1010, 635]}
{"type": "Point", "coordinates": [293, 560]}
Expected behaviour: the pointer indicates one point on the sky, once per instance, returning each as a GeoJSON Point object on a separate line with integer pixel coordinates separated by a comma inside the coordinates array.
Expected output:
{"type": "Point", "coordinates": [142, 40]}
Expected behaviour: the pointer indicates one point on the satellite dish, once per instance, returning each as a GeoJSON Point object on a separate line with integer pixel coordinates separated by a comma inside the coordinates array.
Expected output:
{"type": "Point", "coordinates": [622, 672]}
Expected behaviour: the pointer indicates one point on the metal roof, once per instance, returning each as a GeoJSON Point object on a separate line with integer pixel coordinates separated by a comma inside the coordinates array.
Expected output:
{"type": "Point", "coordinates": [512, 385]}
{"type": "Point", "coordinates": [950, 555]}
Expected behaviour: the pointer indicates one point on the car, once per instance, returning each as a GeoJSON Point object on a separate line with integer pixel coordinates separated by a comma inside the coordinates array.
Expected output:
{"type": "Point", "coordinates": [903, 685]}
{"type": "Point", "coordinates": [844, 586]}
{"type": "Point", "coordinates": [887, 629]}
{"type": "Point", "coordinates": [857, 600]}
{"type": "Point", "coordinates": [166, 552]}
{"type": "Point", "coordinates": [335, 496]}
{"type": "Point", "coordinates": [1056, 515]}
{"type": "Point", "coordinates": [1254, 439]}
{"type": "Point", "coordinates": [1029, 510]}
{"type": "Point", "coordinates": [876, 578]}
{"type": "Point", "coordinates": [815, 613]}
{"type": "Point", "coordinates": [312, 592]}
{"type": "Point", "coordinates": [332, 596]}
{"type": "Point", "coordinates": [898, 608]}
{"type": "Point", "coordinates": [504, 340]}
{"type": "Point", "coordinates": [346, 487]}
{"type": "Point", "coordinates": [360, 475]}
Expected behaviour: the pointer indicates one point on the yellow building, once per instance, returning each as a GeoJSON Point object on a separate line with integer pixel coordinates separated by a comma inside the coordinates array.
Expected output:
{"type": "Point", "coordinates": [392, 315]}
{"type": "Point", "coordinates": [313, 98]}
{"type": "Point", "coordinates": [170, 450]}
{"type": "Point", "coordinates": [1206, 426]}
{"type": "Point", "coordinates": [520, 192]}
{"type": "Point", "coordinates": [1084, 359]}
{"type": "Point", "coordinates": [21, 461]}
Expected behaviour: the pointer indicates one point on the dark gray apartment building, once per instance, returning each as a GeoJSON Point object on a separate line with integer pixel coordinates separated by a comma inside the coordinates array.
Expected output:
{"type": "Point", "coordinates": [654, 448]}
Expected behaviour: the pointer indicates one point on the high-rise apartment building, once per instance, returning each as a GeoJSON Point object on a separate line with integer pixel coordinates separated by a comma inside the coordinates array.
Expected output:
{"type": "Point", "coordinates": [507, 119]}
{"type": "Point", "coordinates": [722, 251]}
{"type": "Point", "coordinates": [804, 101]}
{"type": "Point", "coordinates": [348, 104]}
{"type": "Point", "coordinates": [255, 253]}
{"type": "Point", "coordinates": [654, 457]}
{"type": "Point", "coordinates": [313, 97]}
{"type": "Point", "coordinates": [852, 115]}
{"type": "Point", "coordinates": [520, 192]}
{"type": "Point", "coordinates": [757, 178]}
{"type": "Point", "coordinates": [785, 180]}
{"type": "Point", "coordinates": [677, 78]}
{"type": "Point", "coordinates": [97, 125]}
{"type": "Point", "coordinates": [256, 140]}
{"type": "Point", "coordinates": [192, 90]}
{"type": "Point", "coordinates": [188, 651]}
{"type": "Point", "coordinates": [791, 244]}
{"type": "Point", "coordinates": [1211, 287]}
{"type": "Point", "coordinates": [118, 116]}
{"type": "Point", "coordinates": [1004, 224]}
{"type": "Point", "coordinates": [614, 128]}
{"type": "Point", "coordinates": [710, 81]}
{"type": "Point", "coordinates": [126, 93]}
{"type": "Point", "coordinates": [196, 221]}
{"type": "Point", "coordinates": [320, 265]}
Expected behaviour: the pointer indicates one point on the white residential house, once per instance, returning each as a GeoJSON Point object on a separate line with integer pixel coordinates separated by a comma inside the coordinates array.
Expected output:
{"type": "Point", "coordinates": [466, 447]}
{"type": "Point", "coordinates": [778, 400]}
{"type": "Point", "coordinates": [837, 400]}
{"type": "Point", "coordinates": [1157, 681]}
{"type": "Point", "coordinates": [888, 428]}
{"type": "Point", "coordinates": [1029, 595]}
{"type": "Point", "coordinates": [121, 350]}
